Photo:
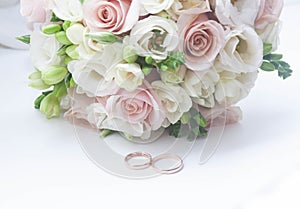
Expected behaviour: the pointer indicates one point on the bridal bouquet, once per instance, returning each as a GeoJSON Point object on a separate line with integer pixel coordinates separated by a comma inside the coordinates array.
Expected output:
{"type": "Point", "coordinates": [139, 66]}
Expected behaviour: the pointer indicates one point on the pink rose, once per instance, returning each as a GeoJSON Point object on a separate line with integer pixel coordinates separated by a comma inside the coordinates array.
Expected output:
{"type": "Point", "coordinates": [77, 114]}
{"type": "Point", "coordinates": [269, 12]}
{"type": "Point", "coordinates": [135, 113]}
{"type": "Point", "coordinates": [116, 16]}
{"type": "Point", "coordinates": [202, 39]}
{"type": "Point", "coordinates": [221, 116]}
{"type": "Point", "coordinates": [35, 11]}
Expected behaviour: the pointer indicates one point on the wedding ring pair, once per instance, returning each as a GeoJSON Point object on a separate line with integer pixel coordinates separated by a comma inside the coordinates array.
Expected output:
{"type": "Point", "coordinates": [151, 162]}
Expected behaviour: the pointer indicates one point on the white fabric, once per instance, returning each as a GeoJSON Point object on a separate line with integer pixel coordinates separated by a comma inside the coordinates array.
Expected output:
{"type": "Point", "coordinates": [256, 166]}
{"type": "Point", "coordinates": [12, 25]}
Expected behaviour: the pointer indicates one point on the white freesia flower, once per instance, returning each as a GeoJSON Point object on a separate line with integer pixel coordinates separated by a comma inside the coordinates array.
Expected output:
{"type": "Point", "coordinates": [271, 34]}
{"type": "Point", "coordinates": [243, 51]}
{"type": "Point", "coordinates": [155, 37]}
{"type": "Point", "coordinates": [43, 49]}
{"type": "Point", "coordinates": [70, 10]}
{"type": "Point", "coordinates": [87, 47]}
{"type": "Point", "coordinates": [93, 76]}
{"type": "Point", "coordinates": [90, 77]}
{"type": "Point", "coordinates": [128, 76]}
{"type": "Point", "coordinates": [200, 86]}
{"type": "Point", "coordinates": [237, 12]}
{"type": "Point", "coordinates": [174, 100]}
{"type": "Point", "coordinates": [154, 6]}
{"type": "Point", "coordinates": [233, 87]}
{"type": "Point", "coordinates": [96, 114]}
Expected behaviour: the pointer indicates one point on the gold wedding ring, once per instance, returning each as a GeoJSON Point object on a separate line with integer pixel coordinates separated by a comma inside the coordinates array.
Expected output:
{"type": "Point", "coordinates": [138, 155]}
{"type": "Point", "coordinates": [173, 170]}
{"type": "Point", "coordinates": [152, 162]}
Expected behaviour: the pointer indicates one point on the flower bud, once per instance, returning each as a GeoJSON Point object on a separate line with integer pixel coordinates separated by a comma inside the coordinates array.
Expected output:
{"type": "Point", "coordinates": [50, 106]}
{"type": "Point", "coordinates": [104, 133]}
{"type": "Point", "coordinates": [185, 118]}
{"type": "Point", "coordinates": [67, 59]}
{"type": "Point", "coordinates": [60, 90]}
{"type": "Point", "coordinates": [72, 52]}
{"type": "Point", "coordinates": [146, 70]}
{"type": "Point", "coordinates": [61, 37]}
{"type": "Point", "coordinates": [103, 37]}
{"type": "Point", "coordinates": [54, 74]}
{"type": "Point", "coordinates": [51, 29]}
{"type": "Point", "coordinates": [129, 54]}
{"type": "Point", "coordinates": [36, 81]}
{"type": "Point", "coordinates": [164, 67]}
{"type": "Point", "coordinates": [66, 25]}
{"type": "Point", "coordinates": [148, 60]}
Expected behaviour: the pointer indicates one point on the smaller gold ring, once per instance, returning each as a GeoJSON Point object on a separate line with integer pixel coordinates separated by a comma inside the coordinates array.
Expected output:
{"type": "Point", "coordinates": [135, 155]}
{"type": "Point", "coordinates": [171, 170]}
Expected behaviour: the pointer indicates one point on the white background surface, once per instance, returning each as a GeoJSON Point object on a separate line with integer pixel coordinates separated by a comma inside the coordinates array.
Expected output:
{"type": "Point", "coordinates": [257, 165]}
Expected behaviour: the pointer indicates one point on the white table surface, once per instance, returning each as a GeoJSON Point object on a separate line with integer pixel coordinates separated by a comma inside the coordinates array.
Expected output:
{"type": "Point", "coordinates": [257, 165]}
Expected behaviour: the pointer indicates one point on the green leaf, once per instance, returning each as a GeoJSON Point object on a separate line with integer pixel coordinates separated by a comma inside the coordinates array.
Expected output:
{"type": "Point", "coordinates": [201, 121]}
{"type": "Point", "coordinates": [24, 39]}
{"type": "Point", "coordinates": [267, 66]}
{"type": "Point", "coordinates": [284, 64]}
{"type": "Point", "coordinates": [273, 57]}
{"type": "Point", "coordinates": [203, 132]}
{"type": "Point", "coordinates": [174, 130]}
{"type": "Point", "coordinates": [284, 72]}
{"type": "Point", "coordinates": [37, 102]}
{"type": "Point", "coordinates": [54, 18]}
{"type": "Point", "coordinates": [267, 48]}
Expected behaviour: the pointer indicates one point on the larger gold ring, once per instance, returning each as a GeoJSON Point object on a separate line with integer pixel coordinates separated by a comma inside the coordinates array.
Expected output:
{"type": "Point", "coordinates": [137, 155]}
{"type": "Point", "coordinates": [176, 169]}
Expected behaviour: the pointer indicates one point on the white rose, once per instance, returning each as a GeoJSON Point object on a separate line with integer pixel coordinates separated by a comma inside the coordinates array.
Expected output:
{"type": "Point", "coordinates": [237, 12]}
{"type": "Point", "coordinates": [174, 100]}
{"type": "Point", "coordinates": [200, 85]}
{"type": "Point", "coordinates": [43, 50]}
{"type": "Point", "coordinates": [93, 76]}
{"type": "Point", "coordinates": [128, 76]}
{"type": "Point", "coordinates": [96, 114]}
{"type": "Point", "coordinates": [189, 6]}
{"type": "Point", "coordinates": [173, 77]}
{"type": "Point", "coordinates": [233, 87]}
{"type": "Point", "coordinates": [70, 10]}
{"type": "Point", "coordinates": [243, 51]}
{"type": "Point", "coordinates": [155, 37]}
{"type": "Point", "coordinates": [154, 6]}
{"type": "Point", "coordinates": [271, 34]}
